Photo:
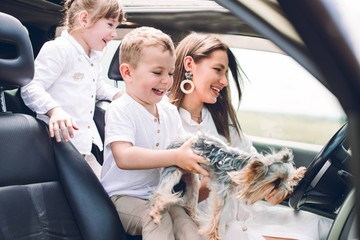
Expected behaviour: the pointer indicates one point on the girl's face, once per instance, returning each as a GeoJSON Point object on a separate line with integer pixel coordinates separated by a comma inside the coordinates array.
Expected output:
{"type": "Point", "coordinates": [152, 77]}
{"type": "Point", "coordinates": [210, 77]}
{"type": "Point", "coordinates": [99, 34]}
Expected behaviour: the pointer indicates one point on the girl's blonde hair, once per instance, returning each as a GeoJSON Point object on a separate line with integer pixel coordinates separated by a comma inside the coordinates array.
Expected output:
{"type": "Point", "coordinates": [135, 41]}
{"type": "Point", "coordinates": [97, 8]}
{"type": "Point", "coordinates": [200, 46]}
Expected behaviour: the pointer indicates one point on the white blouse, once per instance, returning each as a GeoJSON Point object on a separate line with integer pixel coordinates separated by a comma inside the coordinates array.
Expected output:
{"type": "Point", "coordinates": [66, 76]}
{"type": "Point", "coordinates": [207, 126]}
{"type": "Point", "coordinates": [260, 219]}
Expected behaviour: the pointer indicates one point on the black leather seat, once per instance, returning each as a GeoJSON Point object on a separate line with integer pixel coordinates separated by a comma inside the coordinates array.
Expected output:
{"type": "Point", "coordinates": [47, 190]}
{"type": "Point", "coordinates": [114, 72]}
{"type": "Point", "coordinates": [102, 105]}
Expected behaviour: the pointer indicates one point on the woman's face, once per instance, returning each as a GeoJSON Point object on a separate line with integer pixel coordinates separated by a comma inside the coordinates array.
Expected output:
{"type": "Point", "coordinates": [210, 77]}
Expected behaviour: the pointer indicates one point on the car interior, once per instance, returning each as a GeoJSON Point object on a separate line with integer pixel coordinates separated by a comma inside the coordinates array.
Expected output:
{"type": "Point", "coordinates": [47, 191]}
{"type": "Point", "coordinates": [48, 184]}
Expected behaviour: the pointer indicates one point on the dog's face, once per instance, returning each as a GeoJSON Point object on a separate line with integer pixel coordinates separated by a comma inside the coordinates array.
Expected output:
{"type": "Point", "coordinates": [270, 177]}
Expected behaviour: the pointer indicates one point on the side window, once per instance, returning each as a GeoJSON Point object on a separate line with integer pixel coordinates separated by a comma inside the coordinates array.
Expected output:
{"type": "Point", "coordinates": [281, 100]}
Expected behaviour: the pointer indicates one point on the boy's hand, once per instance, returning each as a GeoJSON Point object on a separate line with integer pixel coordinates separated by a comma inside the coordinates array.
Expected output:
{"type": "Point", "coordinates": [61, 123]}
{"type": "Point", "coordinates": [189, 161]}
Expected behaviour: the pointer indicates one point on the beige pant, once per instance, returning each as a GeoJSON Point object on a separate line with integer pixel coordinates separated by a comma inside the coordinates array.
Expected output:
{"type": "Point", "coordinates": [93, 163]}
{"type": "Point", "coordinates": [134, 216]}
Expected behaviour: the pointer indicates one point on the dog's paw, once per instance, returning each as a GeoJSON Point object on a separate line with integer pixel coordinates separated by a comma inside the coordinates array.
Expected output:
{"type": "Point", "coordinates": [298, 175]}
{"type": "Point", "coordinates": [155, 216]}
{"type": "Point", "coordinates": [302, 171]}
{"type": "Point", "coordinates": [210, 236]}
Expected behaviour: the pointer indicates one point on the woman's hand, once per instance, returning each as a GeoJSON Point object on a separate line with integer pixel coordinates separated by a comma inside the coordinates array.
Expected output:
{"type": "Point", "coordinates": [61, 124]}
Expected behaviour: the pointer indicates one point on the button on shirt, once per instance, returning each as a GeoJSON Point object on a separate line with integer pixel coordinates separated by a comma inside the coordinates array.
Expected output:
{"type": "Point", "coordinates": [66, 76]}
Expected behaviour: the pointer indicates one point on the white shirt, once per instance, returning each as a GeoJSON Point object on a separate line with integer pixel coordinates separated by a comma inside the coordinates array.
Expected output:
{"type": "Point", "coordinates": [260, 219]}
{"type": "Point", "coordinates": [207, 126]}
{"type": "Point", "coordinates": [127, 120]}
{"type": "Point", "coordinates": [263, 219]}
{"type": "Point", "coordinates": [66, 76]}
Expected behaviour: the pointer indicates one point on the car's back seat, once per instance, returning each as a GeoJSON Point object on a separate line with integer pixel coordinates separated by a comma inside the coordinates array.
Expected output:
{"type": "Point", "coordinates": [47, 190]}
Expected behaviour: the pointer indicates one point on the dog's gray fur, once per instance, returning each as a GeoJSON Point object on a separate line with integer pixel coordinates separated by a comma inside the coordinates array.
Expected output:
{"type": "Point", "coordinates": [233, 173]}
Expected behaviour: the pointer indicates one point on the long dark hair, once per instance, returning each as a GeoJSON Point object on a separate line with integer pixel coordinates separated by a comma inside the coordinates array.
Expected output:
{"type": "Point", "coordinates": [199, 46]}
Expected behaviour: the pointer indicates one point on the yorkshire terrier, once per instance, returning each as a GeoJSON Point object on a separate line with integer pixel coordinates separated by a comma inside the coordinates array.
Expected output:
{"type": "Point", "coordinates": [233, 173]}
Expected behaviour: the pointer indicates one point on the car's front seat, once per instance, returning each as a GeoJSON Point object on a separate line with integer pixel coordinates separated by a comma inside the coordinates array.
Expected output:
{"type": "Point", "coordinates": [47, 191]}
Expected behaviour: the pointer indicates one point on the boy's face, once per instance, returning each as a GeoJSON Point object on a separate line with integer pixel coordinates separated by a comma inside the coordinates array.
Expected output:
{"type": "Point", "coordinates": [152, 77]}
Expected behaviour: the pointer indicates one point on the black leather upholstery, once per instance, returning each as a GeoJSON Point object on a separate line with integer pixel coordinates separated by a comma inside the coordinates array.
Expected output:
{"type": "Point", "coordinates": [99, 116]}
{"type": "Point", "coordinates": [13, 73]}
{"type": "Point", "coordinates": [15, 104]}
{"type": "Point", "coordinates": [114, 72]}
{"type": "Point", "coordinates": [102, 105]}
{"type": "Point", "coordinates": [47, 190]}
{"type": "Point", "coordinates": [99, 119]}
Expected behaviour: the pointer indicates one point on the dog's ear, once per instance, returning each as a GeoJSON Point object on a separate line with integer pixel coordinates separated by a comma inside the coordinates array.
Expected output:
{"type": "Point", "coordinates": [297, 176]}
{"type": "Point", "coordinates": [286, 155]}
{"type": "Point", "coordinates": [247, 177]}
{"type": "Point", "coordinates": [258, 168]}
{"type": "Point", "coordinates": [252, 171]}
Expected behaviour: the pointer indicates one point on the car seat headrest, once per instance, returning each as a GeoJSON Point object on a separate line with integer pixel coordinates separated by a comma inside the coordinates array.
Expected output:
{"type": "Point", "coordinates": [16, 53]}
{"type": "Point", "coordinates": [113, 72]}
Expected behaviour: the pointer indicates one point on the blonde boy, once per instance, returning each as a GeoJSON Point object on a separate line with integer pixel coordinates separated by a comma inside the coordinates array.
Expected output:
{"type": "Point", "coordinates": [139, 127]}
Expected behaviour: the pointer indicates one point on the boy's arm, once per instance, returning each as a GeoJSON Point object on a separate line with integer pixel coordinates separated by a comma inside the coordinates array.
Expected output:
{"type": "Point", "coordinates": [129, 157]}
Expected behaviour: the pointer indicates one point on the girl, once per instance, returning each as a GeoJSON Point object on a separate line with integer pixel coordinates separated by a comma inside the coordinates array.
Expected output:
{"type": "Point", "coordinates": [67, 79]}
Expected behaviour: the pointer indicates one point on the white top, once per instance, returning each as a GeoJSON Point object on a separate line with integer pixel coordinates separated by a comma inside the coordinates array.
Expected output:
{"type": "Point", "coordinates": [260, 219]}
{"type": "Point", "coordinates": [207, 126]}
{"type": "Point", "coordinates": [263, 219]}
{"type": "Point", "coordinates": [127, 120]}
{"type": "Point", "coordinates": [66, 76]}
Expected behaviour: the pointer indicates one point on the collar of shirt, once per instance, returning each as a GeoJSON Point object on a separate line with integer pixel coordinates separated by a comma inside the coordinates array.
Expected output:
{"type": "Point", "coordinates": [186, 116]}
{"type": "Point", "coordinates": [207, 125]}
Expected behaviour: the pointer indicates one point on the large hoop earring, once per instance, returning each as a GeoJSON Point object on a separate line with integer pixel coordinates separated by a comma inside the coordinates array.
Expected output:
{"type": "Point", "coordinates": [187, 80]}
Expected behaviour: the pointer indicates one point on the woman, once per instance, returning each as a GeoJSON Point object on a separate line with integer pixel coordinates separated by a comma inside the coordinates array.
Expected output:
{"type": "Point", "coordinates": [202, 98]}
{"type": "Point", "coordinates": [201, 94]}
{"type": "Point", "coordinates": [206, 105]}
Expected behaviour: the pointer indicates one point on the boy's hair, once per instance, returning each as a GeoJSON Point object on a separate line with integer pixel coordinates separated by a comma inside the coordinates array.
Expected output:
{"type": "Point", "coordinates": [140, 38]}
{"type": "Point", "coordinates": [200, 46]}
{"type": "Point", "coordinates": [97, 8]}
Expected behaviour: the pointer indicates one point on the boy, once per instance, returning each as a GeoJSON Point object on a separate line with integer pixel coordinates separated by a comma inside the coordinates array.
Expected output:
{"type": "Point", "coordinates": [139, 127]}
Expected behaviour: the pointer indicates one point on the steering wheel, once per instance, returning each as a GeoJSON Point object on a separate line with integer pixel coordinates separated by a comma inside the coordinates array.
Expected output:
{"type": "Point", "coordinates": [317, 168]}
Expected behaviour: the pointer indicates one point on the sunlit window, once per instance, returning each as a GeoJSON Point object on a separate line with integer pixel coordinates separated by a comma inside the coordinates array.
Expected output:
{"type": "Point", "coordinates": [283, 101]}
